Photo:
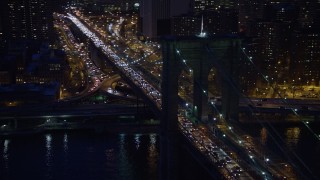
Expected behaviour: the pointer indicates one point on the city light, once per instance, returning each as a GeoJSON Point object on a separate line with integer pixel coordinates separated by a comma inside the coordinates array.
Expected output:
{"type": "Point", "coordinates": [239, 77]}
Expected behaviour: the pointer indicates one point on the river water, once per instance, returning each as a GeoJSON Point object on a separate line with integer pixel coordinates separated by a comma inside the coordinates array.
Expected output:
{"type": "Point", "coordinates": [79, 155]}
{"type": "Point", "coordinates": [298, 144]}
{"type": "Point", "coordinates": [86, 155]}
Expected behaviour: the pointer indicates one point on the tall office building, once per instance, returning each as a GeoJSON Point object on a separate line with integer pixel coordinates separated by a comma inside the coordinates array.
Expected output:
{"type": "Point", "coordinates": [2, 38]}
{"type": "Point", "coordinates": [305, 43]}
{"type": "Point", "coordinates": [306, 58]}
{"type": "Point", "coordinates": [3, 41]}
{"type": "Point", "coordinates": [229, 4]}
{"type": "Point", "coordinates": [218, 17]}
{"type": "Point", "coordinates": [187, 25]}
{"type": "Point", "coordinates": [28, 19]}
{"type": "Point", "coordinates": [249, 12]}
{"type": "Point", "coordinates": [211, 5]}
{"type": "Point", "coordinates": [221, 21]}
{"type": "Point", "coordinates": [268, 35]}
{"type": "Point", "coordinates": [309, 14]}
{"type": "Point", "coordinates": [153, 13]}
{"type": "Point", "coordinates": [156, 15]}
{"type": "Point", "coordinates": [203, 5]}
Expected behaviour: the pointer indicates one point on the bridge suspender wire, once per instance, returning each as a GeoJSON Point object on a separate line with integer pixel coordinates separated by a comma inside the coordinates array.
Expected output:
{"type": "Point", "coordinates": [276, 132]}
{"type": "Point", "coordinates": [200, 86]}
{"type": "Point", "coordinates": [204, 91]}
{"type": "Point", "coordinates": [271, 126]}
{"type": "Point", "coordinates": [184, 61]}
{"type": "Point", "coordinates": [227, 78]}
{"type": "Point", "coordinates": [273, 129]}
{"type": "Point", "coordinates": [282, 99]}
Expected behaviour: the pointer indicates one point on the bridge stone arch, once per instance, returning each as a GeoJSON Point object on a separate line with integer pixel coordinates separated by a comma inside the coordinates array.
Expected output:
{"type": "Point", "coordinates": [201, 54]}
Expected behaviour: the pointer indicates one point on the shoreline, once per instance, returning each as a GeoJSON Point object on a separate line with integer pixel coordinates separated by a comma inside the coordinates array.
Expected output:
{"type": "Point", "coordinates": [96, 128]}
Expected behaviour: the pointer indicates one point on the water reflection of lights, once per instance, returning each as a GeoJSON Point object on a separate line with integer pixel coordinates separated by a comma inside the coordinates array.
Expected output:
{"type": "Point", "coordinates": [153, 139]}
{"type": "Point", "coordinates": [137, 140]}
{"type": "Point", "coordinates": [126, 167]}
{"type": "Point", "coordinates": [123, 151]}
{"type": "Point", "coordinates": [65, 142]}
{"type": "Point", "coordinates": [49, 156]}
{"type": "Point", "coordinates": [49, 149]}
{"type": "Point", "coordinates": [6, 146]}
{"type": "Point", "coordinates": [152, 146]}
{"type": "Point", "coordinates": [110, 155]}
{"type": "Point", "coordinates": [292, 136]}
{"type": "Point", "coordinates": [264, 136]}
{"type": "Point", "coordinates": [152, 153]}
{"type": "Point", "coordinates": [5, 152]}
{"type": "Point", "coordinates": [122, 138]}
{"type": "Point", "coordinates": [48, 141]}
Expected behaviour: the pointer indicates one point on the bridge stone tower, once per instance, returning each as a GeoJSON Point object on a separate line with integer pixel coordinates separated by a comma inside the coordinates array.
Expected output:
{"type": "Point", "coordinates": [201, 54]}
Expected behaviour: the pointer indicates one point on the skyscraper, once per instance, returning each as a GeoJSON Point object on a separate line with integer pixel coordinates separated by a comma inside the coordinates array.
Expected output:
{"type": "Point", "coordinates": [187, 25]}
{"type": "Point", "coordinates": [306, 58]}
{"type": "Point", "coordinates": [309, 14]}
{"type": "Point", "coordinates": [249, 12]}
{"type": "Point", "coordinates": [216, 17]}
{"type": "Point", "coordinates": [205, 5]}
{"type": "Point", "coordinates": [152, 12]}
{"type": "Point", "coordinates": [27, 19]}
{"type": "Point", "coordinates": [156, 15]}
{"type": "Point", "coordinates": [2, 39]}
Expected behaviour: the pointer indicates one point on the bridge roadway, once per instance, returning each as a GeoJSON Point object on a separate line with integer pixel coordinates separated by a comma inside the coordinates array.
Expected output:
{"type": "Point", "coordinates": [136, 80]}
{"type": "Point", "coordinates": [230, 170]}
{"type": "Point", "coordinates": [153, 96]}
{"type": "Point", "coordinates": [133, 78]}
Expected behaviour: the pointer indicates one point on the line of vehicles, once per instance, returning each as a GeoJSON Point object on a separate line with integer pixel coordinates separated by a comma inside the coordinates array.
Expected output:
{"type": "Point", "coordinates": [228, 166]}
{"type": "Point", "coordinates": [135, 76]}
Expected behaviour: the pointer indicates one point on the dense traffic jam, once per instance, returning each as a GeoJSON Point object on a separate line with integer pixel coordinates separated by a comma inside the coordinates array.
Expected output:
{"type": "Point", "coordinates": [96, 76]}
{"type": "Point", "coordinates": [227, 165]}
{"type": "Point", "coordinates": [135, 76]}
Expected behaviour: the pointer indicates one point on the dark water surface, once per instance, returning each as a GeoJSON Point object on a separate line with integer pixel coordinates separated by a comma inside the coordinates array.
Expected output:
{"type": "Point", "coordinates": [79, 155]}
{"type": "Point", "coordinates": [301, 146]}
{"type": "Point", "coordinates": [85, 155]}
